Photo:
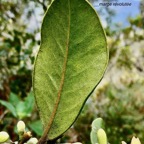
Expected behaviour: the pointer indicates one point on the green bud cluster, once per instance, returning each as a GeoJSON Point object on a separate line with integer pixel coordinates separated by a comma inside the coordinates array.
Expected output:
{"type": "Point", "coordinates": [25, 137]}
{"type": "Point", "coordinates": [98, 134]}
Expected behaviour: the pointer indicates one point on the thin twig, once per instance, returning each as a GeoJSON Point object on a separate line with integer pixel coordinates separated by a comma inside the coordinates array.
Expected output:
{"type": "Point", "coordinates": [43, 5]}
{"type": "Point", "coordinates": [2, 116]}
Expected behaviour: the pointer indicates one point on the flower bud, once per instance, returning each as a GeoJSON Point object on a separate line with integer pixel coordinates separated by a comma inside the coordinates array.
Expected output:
{"type": "Point", "coordinates": [21, 127]}
{"type": "Point", "coordinates": [101, 135]}
{"type": "Point", "coordinates": [4, 137]}
{"type": "Point", "coordinates": [135, 141]}
{"type": "Point", "coordinates": [32, 141]}
{"type": "Point", "coordinates": [29, 134]}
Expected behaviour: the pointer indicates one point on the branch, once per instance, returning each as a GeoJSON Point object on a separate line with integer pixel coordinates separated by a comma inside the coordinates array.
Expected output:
{"type": "Point", "coordinates": [43, 5]}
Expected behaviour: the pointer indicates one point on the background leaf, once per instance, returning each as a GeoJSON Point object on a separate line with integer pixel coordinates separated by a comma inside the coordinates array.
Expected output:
{"type": "Point", "coordinates": [70, 63]}
{"type": "Point", "coordinates": [24, 108]}
{"type": "Point", "coordinates": [36, 126]}
{"type": "Point", "coordinates": [10, 107]}
{"type": "Point", "coordinates": [14, 100]}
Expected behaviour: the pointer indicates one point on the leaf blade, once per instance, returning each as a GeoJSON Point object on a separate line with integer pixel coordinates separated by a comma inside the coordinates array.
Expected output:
{"type": "Point", "coordinates": [60, 65]}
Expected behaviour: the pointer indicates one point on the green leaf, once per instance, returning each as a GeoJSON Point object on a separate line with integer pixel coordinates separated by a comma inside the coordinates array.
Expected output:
{"type": "Point", "coordinates": [93, 137]}
{"type": "Point", "coordinates": [97, 124]}
{"type": "Point", "coordinates": [25, 108]}
{"type": "Point", "coordinates": [36, 126]}
{"type": "Point", "coordinates": [70, 63]}
{"type": "Point", "coordinates": [29, 103]}
{"type": "Point", "coordinates": [21, 110]}
{"type": "Point", "coordinates": [9, 106]}
{"type": "Point", "coordinates": [14, 99]}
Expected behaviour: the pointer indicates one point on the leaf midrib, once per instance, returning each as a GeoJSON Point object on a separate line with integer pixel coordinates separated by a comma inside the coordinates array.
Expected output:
{"type": "Point", "coordinates": [62, 79]}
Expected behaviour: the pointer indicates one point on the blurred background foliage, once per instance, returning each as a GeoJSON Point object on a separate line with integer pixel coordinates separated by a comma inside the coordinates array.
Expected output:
{"type": "Point", "coordinates": [119, 99]}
